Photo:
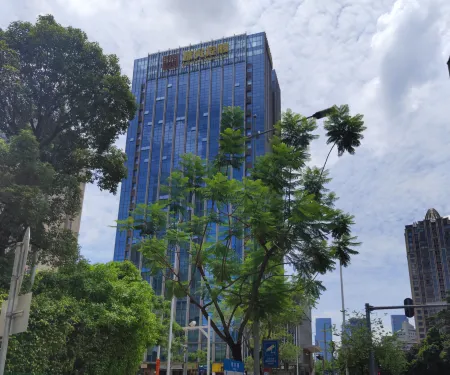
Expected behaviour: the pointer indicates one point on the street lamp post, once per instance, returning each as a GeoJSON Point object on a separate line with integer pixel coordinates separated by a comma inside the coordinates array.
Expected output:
{"type": "Point", "coordinates": [206, 331]}
{"type": "Point", "coordinates": [343, 309]}
{"type": "Point", "coordinates": [318, 115]}
{"type": "Point", "coordinates": [448, 64]}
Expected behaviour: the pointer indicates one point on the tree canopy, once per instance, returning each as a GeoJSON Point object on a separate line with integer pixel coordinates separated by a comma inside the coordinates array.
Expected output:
{"type": "Point", "coordinates": [357, 342]}
{"type": "Point", "coordinates": [87, 319]}
{"type": "Point", "coordinates": [70, 93]}
{"type": "Point", "coordinates": [63, 103]}
{"type": "Point", "coordinates": [238, 234]}
{"type": "Point", "coordinates": [33, 194]}
{"type": "Point", "coordinates": [432, 355]}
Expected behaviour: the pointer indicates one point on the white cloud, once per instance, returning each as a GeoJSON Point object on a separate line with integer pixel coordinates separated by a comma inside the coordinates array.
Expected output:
{"type": "Point", "coordinates": [385, 58]}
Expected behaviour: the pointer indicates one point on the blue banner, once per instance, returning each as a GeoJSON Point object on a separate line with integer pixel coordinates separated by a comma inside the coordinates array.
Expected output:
{"type": "Point", "coordinates": [270, 353]}
{"type": "Point", "coordinates": [233, 366]}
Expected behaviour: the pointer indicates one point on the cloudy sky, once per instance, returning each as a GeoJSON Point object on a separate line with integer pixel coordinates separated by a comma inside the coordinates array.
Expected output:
{"type": "Point", "coordinates": [384, 58]}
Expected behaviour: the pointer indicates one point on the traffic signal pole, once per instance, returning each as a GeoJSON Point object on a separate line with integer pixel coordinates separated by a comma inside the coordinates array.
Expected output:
{"type": "Point", "coordinates": [369, 309]}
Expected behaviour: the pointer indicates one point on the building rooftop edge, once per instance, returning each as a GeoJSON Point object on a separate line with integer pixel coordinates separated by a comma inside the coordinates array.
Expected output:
{"type": "Point", "coordinates": [200, 44]}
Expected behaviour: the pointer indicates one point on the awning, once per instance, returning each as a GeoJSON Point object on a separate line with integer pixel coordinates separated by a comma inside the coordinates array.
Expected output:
{"type": "Point", "coordinates": [313, 349]}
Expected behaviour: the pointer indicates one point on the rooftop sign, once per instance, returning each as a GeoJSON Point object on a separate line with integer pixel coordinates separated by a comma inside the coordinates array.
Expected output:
{"type": "Point", "coordinates": [208, 53]}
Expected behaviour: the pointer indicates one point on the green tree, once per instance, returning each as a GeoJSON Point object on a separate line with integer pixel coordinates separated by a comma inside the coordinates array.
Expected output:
{"type": "Point", "coordinates": [357, 342]}
{"type": "Point", "coordinates": [74, 100]}
{"type": "Point", "coordinates": [432, 355]}
{"type": "Point", "coordinates": [34, 194]}
{"type": "Point", "coordinates": [87, 319]}
{"type": "Point", "coordinates": [344, 131]}
{"type": "Point", "coordinates": [289, 353]}
{"type": "Point", "coordinates": [238, 234]}
{"type": "Point", "coordinates": [318, 367]}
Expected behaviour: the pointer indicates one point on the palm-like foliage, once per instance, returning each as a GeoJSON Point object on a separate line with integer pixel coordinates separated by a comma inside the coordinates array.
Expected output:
{"type": "Point", "coordinates": [238, 234]}
{"type": "Point", "coordinates": [343, 130]}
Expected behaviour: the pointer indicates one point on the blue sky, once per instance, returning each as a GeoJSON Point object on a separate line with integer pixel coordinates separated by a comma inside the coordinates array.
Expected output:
{"type": "Point", "coordinates": [384, 58]}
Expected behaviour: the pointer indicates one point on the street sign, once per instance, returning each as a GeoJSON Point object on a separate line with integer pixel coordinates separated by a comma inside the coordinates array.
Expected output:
{"type": "Point", "coordinates": [270, 353]}
{"type": "Point", "coordinates": [232, 367]}
{"type": "Point", "coordinates": [217, 367]}
{"type": "Point", "coordinates": [21, 313]}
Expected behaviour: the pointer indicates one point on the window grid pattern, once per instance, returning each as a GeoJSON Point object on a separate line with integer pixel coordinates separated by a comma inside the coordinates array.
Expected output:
{"type": "Point", "coordinates": [180, 112]}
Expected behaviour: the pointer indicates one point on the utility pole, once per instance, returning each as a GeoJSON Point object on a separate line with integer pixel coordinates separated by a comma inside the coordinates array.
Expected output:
{"type": "Point", "coordinates": [370, 308]}
{"type": "Point", "coordinates": [343, 308]}
{"type": "Point", "coordinates": [371, 353]}
{"type": "Point", "coordinates": [20, 262]}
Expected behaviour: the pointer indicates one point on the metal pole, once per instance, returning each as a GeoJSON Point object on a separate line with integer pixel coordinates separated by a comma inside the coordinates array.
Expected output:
{"type": "Point", "coordinates": [208, 350]}
{"type": "Point", "coordinates": [371, 353]}
{"type": "Point", "coordinates": [169, 350]}
{"type": "Point", "coordinates": [256, 348]}
{"type": "Point", "coordinates": [11, 301]}
{"type": "Point", "coordinates": [343, 310]}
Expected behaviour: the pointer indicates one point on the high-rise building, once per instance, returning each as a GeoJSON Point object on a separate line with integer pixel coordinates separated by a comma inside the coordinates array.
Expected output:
{"type": "Point", "coordinates": [181, 94]}
{"type": "Point", "coordinates": [302, 337]}
{"type": "Point", "coordinates": [407, 335]}
{"type": "Point", "coordinates": [324, 336]}
{"type": "Point", "coordinates": [428, 253]}
{"type": "Point", "coordinates": [397, 321]}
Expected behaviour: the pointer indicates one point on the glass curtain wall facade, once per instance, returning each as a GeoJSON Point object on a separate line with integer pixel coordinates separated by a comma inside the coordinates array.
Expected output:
{"type": "Point", "coordinates": [427, 248]}
{"type": "Point", "coordinates": [181, 94]}
{"type": "Point", "coordinates": [397, 322]}
{"type": "Point", "coordinates": [324, 336]}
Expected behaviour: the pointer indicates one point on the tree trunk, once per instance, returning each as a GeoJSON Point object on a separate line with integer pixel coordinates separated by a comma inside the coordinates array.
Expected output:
{"type": "Point", "coordinates": [236, 351]}
{"type": "Point", "coordinates": [331, 149]}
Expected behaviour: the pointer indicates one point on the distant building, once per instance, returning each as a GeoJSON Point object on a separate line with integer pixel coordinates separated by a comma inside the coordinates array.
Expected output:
{"type": "Point", "coordinates": [302, 335]}
{"type": "Point", "coordinates": [407, 335]}
{"type": "Point", "coordinates": [428, 256]}
{"type": "Point", "coordinates": [397, 321]}
{"type": "Point", "coordinates": [324, 336]}
{"type": "Point", "coordinates": [354, 323]}
{"type": "Point", "coordinates": [181, 94]}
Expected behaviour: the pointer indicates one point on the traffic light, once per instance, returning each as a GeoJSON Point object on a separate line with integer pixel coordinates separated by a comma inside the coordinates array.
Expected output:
{"type": "Point", "coordinates": [409, 311]}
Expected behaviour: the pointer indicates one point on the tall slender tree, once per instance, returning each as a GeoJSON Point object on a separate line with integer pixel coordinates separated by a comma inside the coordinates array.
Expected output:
{"type": "Point", "coordinates": [343, 131]}
{"type": "Point", "coordinates": [237, 235]}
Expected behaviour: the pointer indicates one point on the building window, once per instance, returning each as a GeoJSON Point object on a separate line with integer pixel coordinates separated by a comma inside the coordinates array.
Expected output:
{"type": "Point", "coordinates": [131, 139]}
{"type": "Point", "coordinates": [146, 112]}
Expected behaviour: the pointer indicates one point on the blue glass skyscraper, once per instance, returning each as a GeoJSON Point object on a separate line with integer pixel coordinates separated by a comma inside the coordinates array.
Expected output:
{"type": "Point", "coordinates": [397, 321]}
{"type": "Point", "coordinates": [324, 336]}
{"type": "Point", "coordinates": [181, 94]}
